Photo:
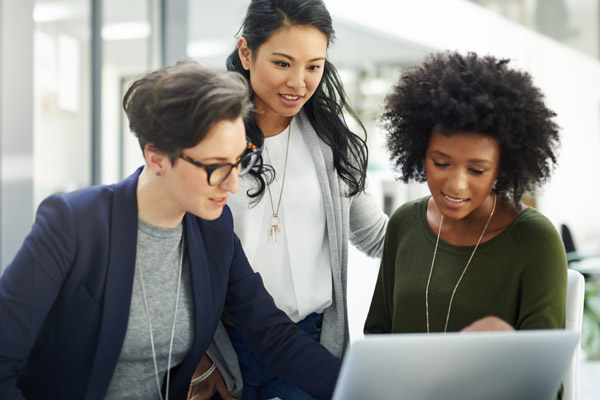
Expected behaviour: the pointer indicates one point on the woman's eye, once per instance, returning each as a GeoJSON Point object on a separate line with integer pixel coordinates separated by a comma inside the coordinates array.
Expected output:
{"type": "Point", "coordinates": [314, 67]}
{"type": "Point", "coordinates": [439, 164]}
{"type": "Point", "coordinates": [282, 64]}
{"type": "Point", "coordinates": [477, 171]}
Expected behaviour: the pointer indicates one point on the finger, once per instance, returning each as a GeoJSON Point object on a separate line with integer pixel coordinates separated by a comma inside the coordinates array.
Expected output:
{"type": "Point", "coordinates": [222, 389]}
{"type": "Point", "coordinates": [200, 392]}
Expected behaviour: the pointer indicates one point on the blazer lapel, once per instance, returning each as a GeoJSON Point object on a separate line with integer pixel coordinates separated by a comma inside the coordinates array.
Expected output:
{"type": "Point", "coordinates": [118, 288]}
{"type": "Point", "coordinates": [200, 271]}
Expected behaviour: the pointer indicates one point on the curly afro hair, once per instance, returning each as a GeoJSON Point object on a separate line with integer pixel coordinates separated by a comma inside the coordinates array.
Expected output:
{"type": "Point", "coordinates": [452, 93]}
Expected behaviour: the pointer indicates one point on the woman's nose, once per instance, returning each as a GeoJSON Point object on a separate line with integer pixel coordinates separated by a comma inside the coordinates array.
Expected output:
{"type": "Point", "coordinates": [458, 182]}
{"type": "Point", "coordinates": [232, 182]}
{"type": "Point", "coordinates": [296, 79]}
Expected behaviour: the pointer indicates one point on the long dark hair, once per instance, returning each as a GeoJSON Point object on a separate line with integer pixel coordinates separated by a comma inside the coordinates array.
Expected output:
{"type": "Point", "coordinates": [326, 106]}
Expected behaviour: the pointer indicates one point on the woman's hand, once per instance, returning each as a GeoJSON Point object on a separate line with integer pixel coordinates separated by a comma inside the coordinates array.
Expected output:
{"type": "Point", "coordinates": [489, 323]}
{"type": "Point", "coordinates": [210, 385]}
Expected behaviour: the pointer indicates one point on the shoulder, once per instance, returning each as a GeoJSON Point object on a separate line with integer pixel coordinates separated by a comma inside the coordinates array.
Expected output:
{"type": "Point", "coordinates": [92, 209]}
{"type": "Point", "coordinates": [89, 195]}
{"type": "Point", "coordinates": [532, 226]}
{"type": "Point", "coordinates": [406, 220]}
{"type": "Point", "coordinates": [89, 201]}
{"type": "Point", "coordinates": [410, 212]}
{"type": "Point", "coordinates": [538, 240]}
{"type": "Point", "coordinates": [100, 198]}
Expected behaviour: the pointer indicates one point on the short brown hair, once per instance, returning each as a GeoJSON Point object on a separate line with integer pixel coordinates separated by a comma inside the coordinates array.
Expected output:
{"type": "Point", "coordinates": [174, 107]}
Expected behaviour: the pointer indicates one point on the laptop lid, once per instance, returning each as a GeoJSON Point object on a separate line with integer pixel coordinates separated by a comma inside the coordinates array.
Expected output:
{"type": "Point", "coordinates": [457, 366]}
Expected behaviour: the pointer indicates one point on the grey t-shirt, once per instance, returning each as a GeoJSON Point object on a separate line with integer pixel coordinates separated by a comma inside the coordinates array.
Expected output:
{"type": "Point", "coordinates": [158, 254]}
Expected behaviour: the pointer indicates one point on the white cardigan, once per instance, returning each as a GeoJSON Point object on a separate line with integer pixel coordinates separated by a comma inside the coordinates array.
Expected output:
{"type": "Point", "coordinates": [358, 220]}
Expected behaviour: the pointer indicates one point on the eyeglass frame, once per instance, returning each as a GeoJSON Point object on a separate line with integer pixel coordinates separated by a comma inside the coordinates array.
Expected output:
{"type": "Point", "coordinates": [250, 150]}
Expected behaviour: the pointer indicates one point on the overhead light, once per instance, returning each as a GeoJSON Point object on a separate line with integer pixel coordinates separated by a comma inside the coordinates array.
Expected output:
{"type": "Point", "coordinates": [49, 12]}
{"type": "Point", "coordinates": [126, 31]}
{"type": "Point", "coordinates": [208, 48]}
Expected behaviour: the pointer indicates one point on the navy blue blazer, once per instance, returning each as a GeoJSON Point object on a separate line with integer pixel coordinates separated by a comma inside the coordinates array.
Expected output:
{"type": "Point", "coordinates": [64, 301]}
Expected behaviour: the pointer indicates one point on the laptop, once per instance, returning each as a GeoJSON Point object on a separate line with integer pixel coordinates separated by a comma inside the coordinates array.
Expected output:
{"type": "Point", "coordinates": [457, 366]}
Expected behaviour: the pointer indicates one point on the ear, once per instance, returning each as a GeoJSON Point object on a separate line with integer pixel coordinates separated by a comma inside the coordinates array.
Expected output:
{"type": "Point", "coordinates": [245, 53]}
{"type": "Point", "coordinates": [155, 160]}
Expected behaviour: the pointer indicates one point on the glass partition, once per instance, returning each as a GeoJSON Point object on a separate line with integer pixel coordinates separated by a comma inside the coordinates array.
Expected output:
{"type": "Point", "coordinates": [130, 39]}
{"type": "Point", "coordinates": [61, 96]}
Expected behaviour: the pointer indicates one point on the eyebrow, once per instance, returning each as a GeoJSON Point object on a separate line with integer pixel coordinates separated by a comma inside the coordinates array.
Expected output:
{"type": "Point", "coordinates": [293, 59]}
{"type": "Point", "coordinates": [218, 159]}
{"type": "Point", "coordinates": [476, 160]}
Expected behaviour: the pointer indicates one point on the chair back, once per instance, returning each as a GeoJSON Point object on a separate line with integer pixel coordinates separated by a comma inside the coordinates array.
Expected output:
{"type": "Point", "coordinates": [574, 320]}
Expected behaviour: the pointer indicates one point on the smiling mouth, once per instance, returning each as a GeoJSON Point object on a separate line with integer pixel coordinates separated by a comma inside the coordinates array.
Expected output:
{"type": "Point", "coordinates": [290, 97]}
{"type": "Point", "coordinates": [454, 199]}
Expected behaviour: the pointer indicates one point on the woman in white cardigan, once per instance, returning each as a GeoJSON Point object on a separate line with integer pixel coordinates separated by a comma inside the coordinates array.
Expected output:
{"type": "Point", "coordinates": [296, 218]}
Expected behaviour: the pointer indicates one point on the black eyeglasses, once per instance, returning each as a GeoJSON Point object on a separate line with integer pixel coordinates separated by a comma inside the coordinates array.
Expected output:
{"type": "Point", "coordinates": [217, 173]}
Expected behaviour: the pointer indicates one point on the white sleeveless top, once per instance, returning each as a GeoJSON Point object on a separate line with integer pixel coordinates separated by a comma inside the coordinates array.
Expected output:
{"type": "Point", "coordinates": [296, 269]}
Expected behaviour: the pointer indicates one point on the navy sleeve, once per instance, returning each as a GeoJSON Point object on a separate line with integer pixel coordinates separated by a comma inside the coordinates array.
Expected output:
{"type": "Point", "coordinates": [272, 336]}
{"type": "Point", "coordinates": [29, 287]}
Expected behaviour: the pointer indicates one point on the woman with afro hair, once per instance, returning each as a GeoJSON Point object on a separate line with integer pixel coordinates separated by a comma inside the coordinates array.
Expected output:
{"type": "Point", "coordinates": [470, 256]}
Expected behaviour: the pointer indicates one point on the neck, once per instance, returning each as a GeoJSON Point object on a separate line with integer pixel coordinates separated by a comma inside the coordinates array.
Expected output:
{"type": "Point", "coordinates": [154, 204]}
{"type": "Point", "coordinates": [272, 124]}
{"type": "Point", "coordinates": [466, 231]}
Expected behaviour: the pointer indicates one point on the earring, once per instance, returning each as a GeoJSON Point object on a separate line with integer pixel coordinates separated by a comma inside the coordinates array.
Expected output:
{"type": "Point", "coordinates": [158, 174]}
{"type": "Point", "coordinates": [245, 66]}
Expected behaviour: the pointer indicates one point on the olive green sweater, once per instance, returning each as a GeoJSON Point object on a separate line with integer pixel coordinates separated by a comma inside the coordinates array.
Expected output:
{"type": "Point", "coordinates": [519, 275]}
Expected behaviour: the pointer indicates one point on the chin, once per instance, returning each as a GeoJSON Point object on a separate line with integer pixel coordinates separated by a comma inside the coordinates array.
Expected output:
{"type": "Point", "coordinates": [214, 215]}
{"type": "Point", "coordinates": [210, 215]}
{"type": "Point", "coordinates": [291, 112]}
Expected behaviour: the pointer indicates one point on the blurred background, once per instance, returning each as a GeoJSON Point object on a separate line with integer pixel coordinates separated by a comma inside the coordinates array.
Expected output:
{"type": "Point", "coordinates": [65, 64]}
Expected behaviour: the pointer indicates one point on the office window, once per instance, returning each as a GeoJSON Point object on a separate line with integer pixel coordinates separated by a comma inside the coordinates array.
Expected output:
{"type": "Point", "coordinates": [130, 41]}
{"type": "Point", "coordinates": [61, 96]}
{"type": "Point", "coordinates": [212, 28]}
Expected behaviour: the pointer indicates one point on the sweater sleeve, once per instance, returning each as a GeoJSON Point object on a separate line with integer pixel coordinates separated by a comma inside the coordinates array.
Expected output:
{"type": "Point", "coordinates": [544, 280]}
{"type": "Point", "coordinates": [367, 225]}
{"type": "Point", "coordinates": [379, 318]}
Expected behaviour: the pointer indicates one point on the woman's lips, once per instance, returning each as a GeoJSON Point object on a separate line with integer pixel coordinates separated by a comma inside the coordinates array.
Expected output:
{"type": "Point", "coordinates": [454, 202]}
{"type": "Point", "coordinates": [219, 201]}
{"type": "Point", "coordinates": [290, 100]}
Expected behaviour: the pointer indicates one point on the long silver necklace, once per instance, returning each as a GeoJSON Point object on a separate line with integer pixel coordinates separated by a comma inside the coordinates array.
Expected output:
{"type": "Point", "coordinates": [172, 329]}
{"type": "Point", "coordinates": [274, 220]}
{"type": "Point", "coordinates": [461, 275]}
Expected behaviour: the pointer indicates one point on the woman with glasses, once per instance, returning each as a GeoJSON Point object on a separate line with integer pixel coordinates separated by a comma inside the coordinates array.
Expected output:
{"type": "Point", "coordinates": [118, 289]}
{"type": "Point", "coordinates": [295, 221]}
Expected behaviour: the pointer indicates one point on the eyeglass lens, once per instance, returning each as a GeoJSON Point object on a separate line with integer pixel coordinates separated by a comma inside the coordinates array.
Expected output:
{"type": "Point", "coordinates": [246, 163]}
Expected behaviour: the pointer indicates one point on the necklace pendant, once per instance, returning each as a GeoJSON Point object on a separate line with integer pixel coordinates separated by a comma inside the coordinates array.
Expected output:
{"type": "Point", "coordinates": [273, 232]}
{"type": "Point", "coordinates": [274, 228]}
